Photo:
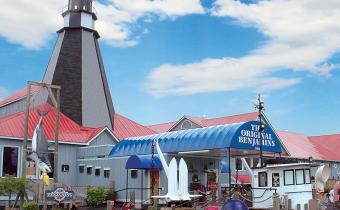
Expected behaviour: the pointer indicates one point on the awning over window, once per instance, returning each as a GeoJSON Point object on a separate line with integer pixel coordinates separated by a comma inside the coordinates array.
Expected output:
{"type": "Point", "coordinates": [241, 179]}
{"type": "Point", "coordinates": [244, 136]}
{"type": "Point", "coordinates": [143, 162]}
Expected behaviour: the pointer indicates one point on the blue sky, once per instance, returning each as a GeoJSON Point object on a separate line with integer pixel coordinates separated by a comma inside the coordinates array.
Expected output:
{"type": "Point", "coordinates": [206, 58]}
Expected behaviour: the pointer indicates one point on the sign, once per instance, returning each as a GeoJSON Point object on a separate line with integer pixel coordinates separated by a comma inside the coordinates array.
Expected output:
{"type": "Point", "coordinates": [59, 195]}
{"type": "Point", "coordinates": [248, 136]}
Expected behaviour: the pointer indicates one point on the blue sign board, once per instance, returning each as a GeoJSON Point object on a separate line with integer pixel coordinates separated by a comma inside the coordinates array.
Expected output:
{"type": "Point", "coordinates": [249, 137]}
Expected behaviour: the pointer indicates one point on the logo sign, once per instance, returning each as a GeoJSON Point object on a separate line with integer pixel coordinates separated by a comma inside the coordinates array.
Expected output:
{"type": "Point", "coordinates": [248, 136]}
{"type": "Point", "coordinates": [59, 194]}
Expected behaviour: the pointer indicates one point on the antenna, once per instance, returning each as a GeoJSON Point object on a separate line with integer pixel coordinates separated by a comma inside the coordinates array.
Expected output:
{"type": "Point", "coordinates": [260, 107]}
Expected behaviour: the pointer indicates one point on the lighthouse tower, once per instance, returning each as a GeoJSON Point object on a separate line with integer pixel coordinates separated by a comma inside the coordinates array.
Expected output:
{"type": "Point", "coordinates": [76, 65]}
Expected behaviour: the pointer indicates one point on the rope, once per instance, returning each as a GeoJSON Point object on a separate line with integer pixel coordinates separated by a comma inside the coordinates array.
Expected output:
{"type": "Point", "coordinates": [246, 199]}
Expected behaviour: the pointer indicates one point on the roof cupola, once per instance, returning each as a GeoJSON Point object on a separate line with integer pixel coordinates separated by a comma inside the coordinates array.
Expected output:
{"type": "Point", "coordinates": [79, 14]}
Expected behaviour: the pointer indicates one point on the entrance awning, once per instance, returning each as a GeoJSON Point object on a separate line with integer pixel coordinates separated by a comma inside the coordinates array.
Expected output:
{"type": "Point", "coordinates": [242, 136]}
{"type": "Point", "coordinates": [143, 162]}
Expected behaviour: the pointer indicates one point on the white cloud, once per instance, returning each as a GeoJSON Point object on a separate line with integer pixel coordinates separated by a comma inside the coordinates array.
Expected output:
{"type": "Point", "coordinates": [31, 23]}
{"type": "Point", "coordinates": [302, 36]}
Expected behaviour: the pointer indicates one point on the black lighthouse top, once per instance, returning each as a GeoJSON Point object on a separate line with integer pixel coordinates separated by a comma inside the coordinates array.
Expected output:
{"type": "Point", "coordinates": [80, 5]}
{"type": "Point", "coordinates": [79, 13]}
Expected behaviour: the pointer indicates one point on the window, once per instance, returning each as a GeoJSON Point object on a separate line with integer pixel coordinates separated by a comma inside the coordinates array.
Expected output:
{"type": "Point", "coordinates": [89, 170]}
{"type": "Point", "coordinates": [263, 179]}
{"type": "Point", "coordinates": [65, 168]}
{"type": "Point", "coordinates": [299, 176]}
{"type": "Point", "coordinates": [81, 169]}
{"type": "Point", "coordinates": [238, 164]}
{"type": "Point", "coordinates": [275, 179]}
{"type": "Point", "coordinates": [256, 162]}
{"type": "Point", "coordinates": [106, 173]}
{"type": "Point", "coordinates": [186, 125]}
{"type": "Point", "coordinates": [288, 177]}
{"type": "Point", "coordinates": [97, 172]}
{"type": "Point", "coordinates": [249, 162]}
{"type": "Point", "coordinates": [10, 159]}
{"type": "Point", "coordinates": [307, 176]}
{"type": "Point", "coordinates": [134, 174]}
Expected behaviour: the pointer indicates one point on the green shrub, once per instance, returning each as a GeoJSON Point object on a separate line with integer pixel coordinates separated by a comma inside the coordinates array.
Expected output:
{"type": "Point", "coordinates": [95, 196]}
{"type": "Point", "coordinates": [10, 185]}
{"type": "Point", "coordinates": [31, 206]}
{"type": "Point", "coordinates": [110, 194]}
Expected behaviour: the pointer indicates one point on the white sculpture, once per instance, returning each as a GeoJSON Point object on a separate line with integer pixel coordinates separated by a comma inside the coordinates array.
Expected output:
{"type": "Point", "coordinates": [321, 177]}
{"type": "Point", "coordinates": [177, 190]}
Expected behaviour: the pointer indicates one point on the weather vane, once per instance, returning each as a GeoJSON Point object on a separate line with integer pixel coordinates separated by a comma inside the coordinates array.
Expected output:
{"type": "Point", "coordinates": [260, 106]}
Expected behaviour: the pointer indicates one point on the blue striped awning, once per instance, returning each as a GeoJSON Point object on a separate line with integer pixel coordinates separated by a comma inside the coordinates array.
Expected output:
{"type": "Point", "coordinates": [244, 136]}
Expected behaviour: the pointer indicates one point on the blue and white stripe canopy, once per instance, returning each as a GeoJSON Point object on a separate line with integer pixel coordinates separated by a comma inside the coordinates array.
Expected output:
{"type": "Point", "coordinates": [244, 136]}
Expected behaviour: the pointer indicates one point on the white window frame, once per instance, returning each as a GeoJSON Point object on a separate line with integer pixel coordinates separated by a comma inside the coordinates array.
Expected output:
{"type": "Point", "coordinates": [307, 169]}
{"type": "Point", "coordinates": [303, 176]}
{"type": "Point", "coordinates": [89, 166]}
{"type": "Point", "coordinates": [107, 169]}
{"type": "Point", "coordinates": [19, 159]}
{"type": "Point", "coordinates": [81, 165]}
{"type": "Point", "coordinates": [284, 177]}
{"type": "Point", "coordinates": [97, 168]}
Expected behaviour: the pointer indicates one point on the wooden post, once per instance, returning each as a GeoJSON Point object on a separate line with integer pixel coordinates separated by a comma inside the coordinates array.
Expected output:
{"type": "Point", "coordinates": [276, 201]}
{"type": "Point", "coordinates": [305, 206]}
{"type": "Point", "coordinates": [56, 136]}
{"type": "Point", "coordinates": [132, 200]}
{"type": "Point", "coordinates": [24, 150]}
{"type": "Point", "coordinates": [313, 204]}
{"type": "Point", "coordinates": [289, 204]}
{"type": "Point", "coordinates": [155, 200]}
{"type": "Point", "coordinates": [286, 202]}
{"type": "Point", "coordinates": [298, 206]}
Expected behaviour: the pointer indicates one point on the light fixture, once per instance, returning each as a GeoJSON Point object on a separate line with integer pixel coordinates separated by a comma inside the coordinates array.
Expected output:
{"type": "Point", "coordinates": [194, 152]}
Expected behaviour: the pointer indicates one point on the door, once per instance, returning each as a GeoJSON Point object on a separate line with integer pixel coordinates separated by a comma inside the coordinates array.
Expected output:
{"type": "Point", "coordinates": [154, 181]}
{"type": "Point", "coordinates": [212, 183]}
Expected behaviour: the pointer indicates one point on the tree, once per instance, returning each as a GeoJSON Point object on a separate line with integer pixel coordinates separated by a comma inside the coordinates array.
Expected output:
{"type": "Point", "coordinates": [8, 186]}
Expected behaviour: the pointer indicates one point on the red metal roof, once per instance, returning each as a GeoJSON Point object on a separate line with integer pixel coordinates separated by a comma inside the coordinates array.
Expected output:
{"type": "Point", "coordinates": [69, 131]}
{"type": "Point", "coordinates": [17, 95]}
{"type": "Point", "coordinates": [298, 145]}
{"type": "Point", "coordinates": [328, 145]}
{"type": "Point", "coordinates": [230, 119]}
{"type": "Point", "coordinates": [13, 126]}
{"type": "Point", "coordinates": [317, 147]}
{"type": "Point", "coordinates": [124, 127]}
{"type": "Point", "coordinates": [164, 127]}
